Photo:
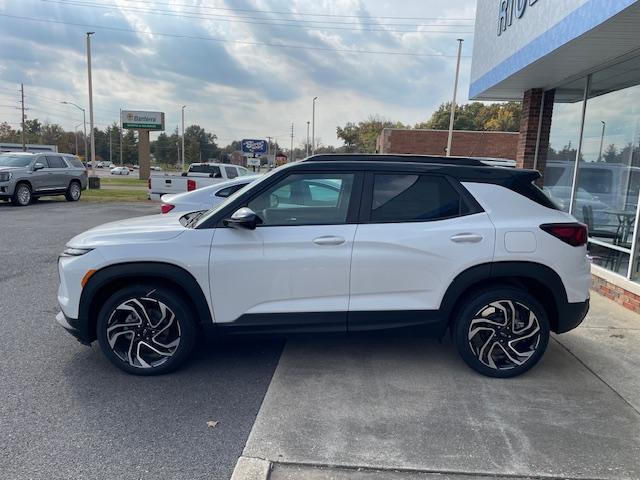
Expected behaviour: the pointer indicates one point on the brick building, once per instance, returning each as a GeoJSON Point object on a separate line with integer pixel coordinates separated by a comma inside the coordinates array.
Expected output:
{"type": "Point", "coordinates": [434, 142]}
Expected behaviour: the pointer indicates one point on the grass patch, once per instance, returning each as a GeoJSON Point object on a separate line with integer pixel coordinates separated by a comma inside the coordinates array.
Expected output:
{"type": "Point", "coordinates": [104, 195]}
{"type": "Point", "coordinates": [123, 182]}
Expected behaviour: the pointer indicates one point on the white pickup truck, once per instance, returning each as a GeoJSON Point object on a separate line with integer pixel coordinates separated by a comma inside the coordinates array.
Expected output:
{"type": "Point", "coordinates": [199, 175]}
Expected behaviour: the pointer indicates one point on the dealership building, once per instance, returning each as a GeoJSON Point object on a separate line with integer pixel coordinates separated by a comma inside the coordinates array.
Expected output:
{"type": "Point", "coordinates": [575, 65]}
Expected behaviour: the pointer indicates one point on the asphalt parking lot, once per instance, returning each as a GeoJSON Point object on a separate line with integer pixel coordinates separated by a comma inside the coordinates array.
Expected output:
{"type": "Point", "coordinates": [370, 408]}
{"type": "Point", "coordinates": [65, 412]}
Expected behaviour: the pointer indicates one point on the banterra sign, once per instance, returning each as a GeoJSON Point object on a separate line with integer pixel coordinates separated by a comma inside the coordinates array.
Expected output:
{"type": "Point", "coordinates": [133, 120]}
{"type": "Point", "coordinates": [508, 9]}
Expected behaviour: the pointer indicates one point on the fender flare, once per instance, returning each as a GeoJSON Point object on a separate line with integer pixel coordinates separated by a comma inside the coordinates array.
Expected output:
{"type": "Point", "coordinates": [159, 271]}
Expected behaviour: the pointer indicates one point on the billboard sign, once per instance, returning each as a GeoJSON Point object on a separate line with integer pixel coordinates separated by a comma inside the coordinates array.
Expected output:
{"type": "Point", "coordinates": [134, 120]}
{"type": "Point", "coordinates": [254, 147]}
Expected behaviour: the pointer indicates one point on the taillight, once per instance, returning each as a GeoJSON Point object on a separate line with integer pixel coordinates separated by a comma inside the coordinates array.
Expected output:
{"type": "Point", "coordinates": [167, 207]}
{"type": "Point", "coordinates": [191, 185]}
{"type": "Point", "coordinates": [575, 234]}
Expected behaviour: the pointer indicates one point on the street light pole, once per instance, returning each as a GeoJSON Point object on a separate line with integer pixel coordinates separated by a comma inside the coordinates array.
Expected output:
{"type": "Point", "coordinates": [313, 127]}
{"type": "Point", "coordinates": [604, 125]}
{"type": "Point", "coordinates": [84, 122]}
{"type": "Point", "coordinates": [93, 138]}
{"type": "Point", "coordinates": [75, 131]}
{"type": "Point", "coordinates": [307, 149]}
{"type": "Point", "coordinates": [183, 107]}
{"type": "Point", "coordinates": [453, 103]}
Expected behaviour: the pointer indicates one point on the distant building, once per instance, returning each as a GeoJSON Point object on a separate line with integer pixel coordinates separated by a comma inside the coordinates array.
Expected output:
{"type": "Point", "coordinates": [281, 159]}
{"type": "Point", "coordinates": [17, 147]}
{"type": "Point", "coordinates": [434, 142]}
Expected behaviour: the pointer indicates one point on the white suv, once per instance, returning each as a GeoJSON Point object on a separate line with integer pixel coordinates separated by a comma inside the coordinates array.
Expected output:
{"type": "Point", "coordinates": [338, 244]}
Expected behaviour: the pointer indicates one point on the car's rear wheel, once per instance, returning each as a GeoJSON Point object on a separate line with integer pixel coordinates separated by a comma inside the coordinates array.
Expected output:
{"type": "Point", "coordinates": [502, 332]}
{"type": "Point", "coordinates": [146, 330]}
{"type": "Point", "coordinates": [22, 195]}
{"type": "Point", "coordinates": [74, 192]}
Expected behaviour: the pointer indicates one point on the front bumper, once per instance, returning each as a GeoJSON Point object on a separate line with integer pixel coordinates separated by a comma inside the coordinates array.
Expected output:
{"type": "Point", "coordinates": [72, 326]}
{"type": "Point", "coordinates": [570, 315]}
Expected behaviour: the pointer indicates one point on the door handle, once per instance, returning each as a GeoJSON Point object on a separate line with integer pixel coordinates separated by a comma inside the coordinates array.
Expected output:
{"type": "Point", "coordinates": [467, 238]}
{"type": "Point", "coordinates": [329, 240]}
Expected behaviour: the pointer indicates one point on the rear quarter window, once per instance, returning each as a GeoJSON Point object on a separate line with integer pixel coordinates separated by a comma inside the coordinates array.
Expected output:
{"type": "Point", "coordinates": [414, 198]}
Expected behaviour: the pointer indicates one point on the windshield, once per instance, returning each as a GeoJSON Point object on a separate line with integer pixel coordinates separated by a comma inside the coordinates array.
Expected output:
{"type": "Point", "coordinates": [231, 198]}
{"type": "Point", "coordinates": [14, 160]}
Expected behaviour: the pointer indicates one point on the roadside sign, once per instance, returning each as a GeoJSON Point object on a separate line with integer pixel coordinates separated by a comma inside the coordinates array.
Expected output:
{"type": "Point", "coordinates": [133, 120]}
{"type": "Point", "coordinates": [254, 147]}
{"type": "Point", "coordinates": [253, 162]}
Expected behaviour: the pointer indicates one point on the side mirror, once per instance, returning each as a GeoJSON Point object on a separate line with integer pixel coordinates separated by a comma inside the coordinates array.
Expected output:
{"type": "Point", "coordinates": [244, 218]}
{"type": "Point", "coordinates": [37, 166]}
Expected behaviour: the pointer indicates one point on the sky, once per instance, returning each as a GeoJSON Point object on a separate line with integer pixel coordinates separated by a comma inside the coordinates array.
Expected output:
{"type": "Point", "coordinates": [243, 68]}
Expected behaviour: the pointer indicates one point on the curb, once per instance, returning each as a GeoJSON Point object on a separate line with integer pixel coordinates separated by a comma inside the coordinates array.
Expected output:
{"type": "Point", "coordinates": [249, 468]}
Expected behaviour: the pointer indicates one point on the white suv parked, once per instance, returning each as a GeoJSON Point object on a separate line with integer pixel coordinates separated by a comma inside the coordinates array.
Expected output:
{"type": "Point", "coordinates": [338, 244]}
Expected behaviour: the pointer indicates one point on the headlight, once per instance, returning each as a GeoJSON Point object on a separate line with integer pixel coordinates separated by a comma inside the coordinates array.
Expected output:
{"type": "Point", "coordinates": [5, 176]}
{"type": "Point", "coordinates": [74, 252]}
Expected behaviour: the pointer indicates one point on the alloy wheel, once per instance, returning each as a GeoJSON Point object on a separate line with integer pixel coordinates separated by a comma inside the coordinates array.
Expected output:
{"type": "Point", "coordinates": [74, 191]}
{"type": "Point", "coordinates": [24, 195]}
{"type": "Point", "coordinates": [143, 332]}
{"type": "Point", "coordinates": [504, 334]}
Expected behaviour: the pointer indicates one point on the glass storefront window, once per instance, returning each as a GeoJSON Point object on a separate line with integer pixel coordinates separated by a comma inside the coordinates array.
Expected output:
{"type": "Point", "coordinates": [563, 143]}
{"type": "Point", "coordinates": [607, 188]}
{"type": "Point", "coordinates": [609, 174]}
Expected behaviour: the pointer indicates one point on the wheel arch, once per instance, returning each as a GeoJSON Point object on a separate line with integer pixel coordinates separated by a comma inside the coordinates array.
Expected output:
{"type": "Point", "coordinates": [537, 279]}
{"type": "Point", "coordinates": [108, 280]}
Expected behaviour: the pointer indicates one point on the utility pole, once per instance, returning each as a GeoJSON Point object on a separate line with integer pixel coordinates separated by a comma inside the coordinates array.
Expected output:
{"type": "Point", "coordinates": [313, 127]}
{"type": "Point", "coordinates": [24, 145]}
{"type": "Point", "coordinates": [291, 151]}
{"type": "Point", "coordinates": [75, 131]}
{"type": "Point", "coordinates": [110, 149]}
{"type": "Point", "coordinates": [453, 103]}
{"type": "Point", "coordinates": [604, 126]}
{"type": "Point", "coordinates": [121, 138]}
{"type": "Point", "coordinates": [307, 148]}
{"type": "Point", "coordinates": [183, 107]}
{"type": "Point", "coordinates": [93, 138]}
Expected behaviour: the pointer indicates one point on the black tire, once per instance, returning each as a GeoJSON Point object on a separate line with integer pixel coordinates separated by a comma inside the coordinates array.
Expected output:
{"type": "Point", "coordinates": [122, 330]}
{"type": "Point", "coordinates": [74, 191]}
{"type": "Point", "coordinates": [491, 342]}
{"type": "Point", "coordinates": [21, 195]}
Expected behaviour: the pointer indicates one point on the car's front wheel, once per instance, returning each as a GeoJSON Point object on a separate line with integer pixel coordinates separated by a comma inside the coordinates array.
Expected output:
{"type": "Point", "coordinates": [22, 195]}
{"type": "Point", "coordinates": [502, 332]}
{"type": "Point", "coordinates": [146, 330]}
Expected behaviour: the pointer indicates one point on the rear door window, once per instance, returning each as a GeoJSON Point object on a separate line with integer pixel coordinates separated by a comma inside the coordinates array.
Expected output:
{"type": "Point", "coordinates": [231, 172]}
{"type": "Point", "coordinates": [56, 161]}
{"type": "Point", "coordinates": [413, 198]}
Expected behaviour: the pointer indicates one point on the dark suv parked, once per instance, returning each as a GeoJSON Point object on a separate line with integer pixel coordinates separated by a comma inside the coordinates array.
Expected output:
{"type": "Point", "coordinates": [25, 176]}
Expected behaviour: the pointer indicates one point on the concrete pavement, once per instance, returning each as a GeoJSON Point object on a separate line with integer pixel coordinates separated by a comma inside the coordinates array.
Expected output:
{"type": "Point", "coordinates": [389, 404]}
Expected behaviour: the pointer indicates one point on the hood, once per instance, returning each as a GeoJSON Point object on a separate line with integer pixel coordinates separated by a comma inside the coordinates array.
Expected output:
{"type": "Point", "coordinates": [13, 169]}
{"type": "Point", "coordinates": [154, 228]}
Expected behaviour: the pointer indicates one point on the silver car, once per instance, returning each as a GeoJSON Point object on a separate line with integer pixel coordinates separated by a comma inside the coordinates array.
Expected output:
{"type": "Point", "coordinates": [26, 176]}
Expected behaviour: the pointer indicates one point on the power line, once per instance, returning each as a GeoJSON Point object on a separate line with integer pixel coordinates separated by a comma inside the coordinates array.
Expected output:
{"type": "Point", "coordinates": [222, 40]}
{"type": "Point", "coordinates": [298, 13]}
{"type": "Point", "coordinates": [265, 21]}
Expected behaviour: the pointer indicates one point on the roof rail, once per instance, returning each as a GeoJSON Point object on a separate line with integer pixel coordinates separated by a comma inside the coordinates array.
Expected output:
{"type": "Point", "coordinates": [383, 157]}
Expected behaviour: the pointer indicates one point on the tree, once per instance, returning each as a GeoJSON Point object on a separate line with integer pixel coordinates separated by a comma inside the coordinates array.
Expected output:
{"type": "Point", "coordinates": [199, 144]}
{"type": "Point", "coordinates": [610, 155]}
{"type": "Point", "coordinates": [361, 138]}
{"type": "Point", "coordinates": [477, 116]}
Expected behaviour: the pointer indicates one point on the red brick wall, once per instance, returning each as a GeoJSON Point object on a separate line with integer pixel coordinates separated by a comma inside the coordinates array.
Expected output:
{"type": "Point", "coordinates": [533, 109]}
{"type": "Point", "coordinates": [434, 142]}
{"type": "Point", "coordinates": [618, 294]}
